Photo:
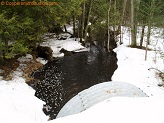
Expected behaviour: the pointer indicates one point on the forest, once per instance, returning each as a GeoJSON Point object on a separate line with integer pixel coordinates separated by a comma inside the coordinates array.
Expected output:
{"type": "Point", "coordinates": [22, 26]}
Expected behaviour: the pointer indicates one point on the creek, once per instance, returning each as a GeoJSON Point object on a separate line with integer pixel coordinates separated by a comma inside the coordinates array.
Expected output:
{"type": "Point", "coordinates": [61, 79]}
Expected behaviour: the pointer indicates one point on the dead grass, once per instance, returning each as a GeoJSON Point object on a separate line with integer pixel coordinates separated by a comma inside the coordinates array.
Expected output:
{"type": "Point", "coordinates": [12, 64]}
{"type": "Point", "coordinates": [30, 67]}
{"type": "Point", "coordinates": [161, 75]}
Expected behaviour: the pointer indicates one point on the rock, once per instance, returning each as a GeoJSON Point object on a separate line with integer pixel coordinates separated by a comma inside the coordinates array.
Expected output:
{"type": "Point", "coordinates": [44, 52]}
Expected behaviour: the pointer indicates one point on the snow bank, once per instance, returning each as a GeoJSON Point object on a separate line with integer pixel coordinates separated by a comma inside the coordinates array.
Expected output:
{"type": "Point", "coordinates": [97, 93]}
{"type": "Point", "coordinates": [133, 69]}
{"type": "Point", "coordinates": [18, 103]}
{"type": "Point", "coordinates": [120, 110]}
{"type": "Point", "coordinates": [69, 44]}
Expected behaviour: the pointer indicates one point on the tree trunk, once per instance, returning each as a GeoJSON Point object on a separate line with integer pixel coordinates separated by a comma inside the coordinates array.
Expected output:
{"type": "Point", "coordinates": [150, 22]}
{"type": "Point", "coordinates": [78, 30]}
{"type": "Point", "coordinates": [149, 26]}
{"type": "Point", "coordinates": [142, 36]}
{"type": "Point", "coordinates": [82, 24]}
{"type": "Point", "coordinates": [114, 25]}
{"type": "Point", "coordinates": [108, 43]}
{"type": "Point", "coordinates": [65, 28]}
{"type": "Point", "coordinates": [133, 26]}
{"type": "Point", "coordinates": [148, 33]}
{"type": "Point", "coordinates": [74, 24]}
{"type": "Point", "coordinates": [122, 20]}
{"type": "Point", "coordinates": [87, 21]}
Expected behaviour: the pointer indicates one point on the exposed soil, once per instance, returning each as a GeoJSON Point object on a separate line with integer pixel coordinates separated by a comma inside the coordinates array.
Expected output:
{"type": "Point", "coordinates": [11, 65]}
{"type": "Point", "coordinates": [8, 68]}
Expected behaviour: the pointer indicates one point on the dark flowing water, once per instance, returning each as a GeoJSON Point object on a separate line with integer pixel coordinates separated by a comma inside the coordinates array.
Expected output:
{"type": "Point", "coordinates": [61, 79]}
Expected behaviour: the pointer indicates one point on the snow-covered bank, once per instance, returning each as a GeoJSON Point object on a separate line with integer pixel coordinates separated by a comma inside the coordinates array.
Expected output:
{"type": "Point", "coordinates": [18, 103]}
{"type": "Point", "coordinates": [120, 110]}
{"type": "Point", "coordinates": [132, 68]}
{"type": "Point", "coordinates": [70, 44]}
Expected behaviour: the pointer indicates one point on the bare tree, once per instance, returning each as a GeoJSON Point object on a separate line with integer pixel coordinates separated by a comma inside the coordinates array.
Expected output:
{"type": "Point", "coordinates": [74, 23]}
{"type": "Point", "coordinates": [149, 26]}
{"type": "Point", "coordinates": [108, 45]}
{"type": "Point", "coordinates": [122, 19]}
{"type": "Point", "coordinates": [133, 26]}
{"type": "Point", "coordinates": [142, 35]}
{"type": "Point", "coordinates": [82, 20]}
{"type": "Point", "coordinates": [87, 19]}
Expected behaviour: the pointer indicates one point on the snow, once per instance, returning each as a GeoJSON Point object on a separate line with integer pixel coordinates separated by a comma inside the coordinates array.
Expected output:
{"type": "Point", "coordinates": [132, 61]}
{"type": "Point", "coordinates": [18, 103]}
{"type": "Point", "coordinates": [120, 110]}
{"type": "Point", "coordinates": [137, 70]}
{"type": "Point", "coordinates": [98, 93]}
{"type": "Point", "coordinates": [70, 45]}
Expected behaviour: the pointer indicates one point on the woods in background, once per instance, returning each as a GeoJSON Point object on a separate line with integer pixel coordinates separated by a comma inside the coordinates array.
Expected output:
{"type": "Point", "coordinates": [22, 26]}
